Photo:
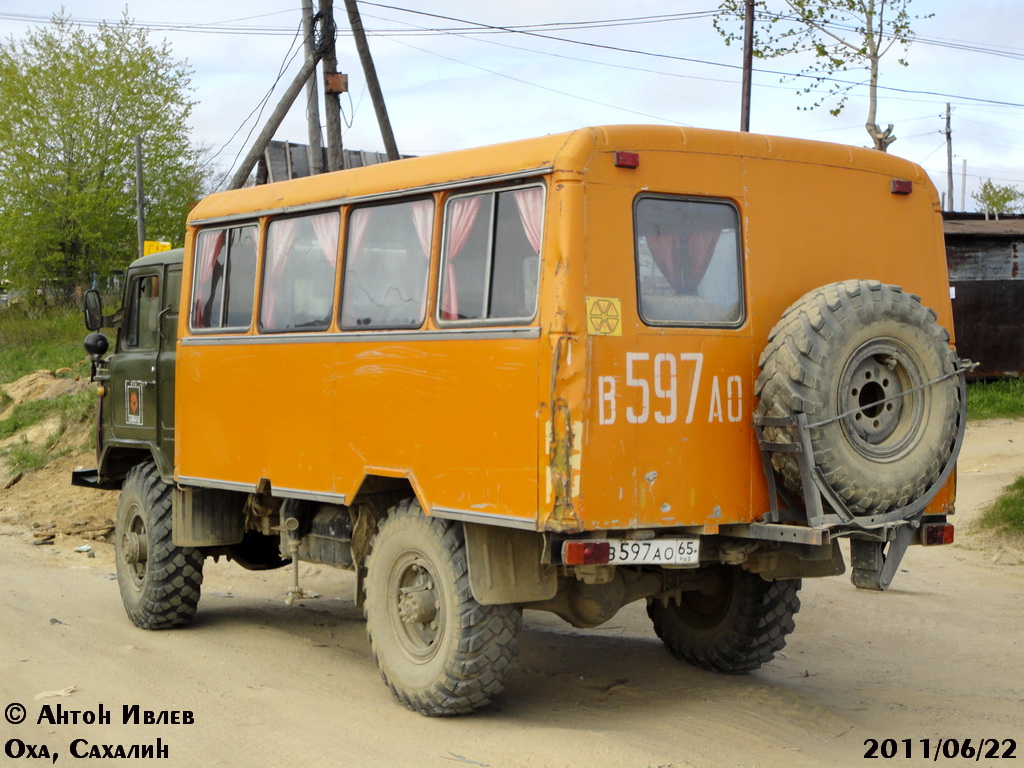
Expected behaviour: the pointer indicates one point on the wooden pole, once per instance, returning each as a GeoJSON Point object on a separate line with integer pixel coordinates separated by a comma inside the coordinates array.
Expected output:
{"type": "Point", "coordinates": [274, 122]}
{"type": "Point", "coordinates": [949, 162]}
{"type": "Point", "coordinates": [372, 84]}
{"type": "Point", "coordinates": [315, 150]}
{"type": "Point", "coordinates": [332, 103]}
{"type": "Point", "coordinates": [748, 64]}
{"type": "Point", "coordinates": [140, 196]}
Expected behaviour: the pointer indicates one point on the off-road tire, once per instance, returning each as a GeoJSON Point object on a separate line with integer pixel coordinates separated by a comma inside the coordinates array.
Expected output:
{"type": "Point", "coordinates": [735, 625]}
{"type": "Point", "coordinates": [459, 662]}
{"type": "Point", "coordinates": [160, 583]}
{"type": "Point", "coordinates": [842, 348]}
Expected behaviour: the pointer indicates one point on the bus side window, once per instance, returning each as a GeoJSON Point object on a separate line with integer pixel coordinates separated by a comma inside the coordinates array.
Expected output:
{"type": "Point", "coordinates": [492, 255]}
{"type": "Point", "coordinates": [387, 253]}
{"type": "Point", "coordinates": [298, 272]}
{"type": "Point", "coordinates": [225, 278]}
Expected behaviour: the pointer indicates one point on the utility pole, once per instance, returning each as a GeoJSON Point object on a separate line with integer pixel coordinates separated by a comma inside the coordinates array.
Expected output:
{"type": "Point", "coordinates": [315, 148]}
{"type": "Point", "coordinates": [963, 187]}
{"type": "Point", "coordinates": [274, 122]}
{"type": "Point", "coordinates": [372, 84]}
{"type": "Point", "coordinates": [334, 85]}
{"type": "Point", "coordinates": [949, 160]}
{"type": "Point", "coordinates": [140, 196]}
{"type": "Point", "coordinates": [748, 64]}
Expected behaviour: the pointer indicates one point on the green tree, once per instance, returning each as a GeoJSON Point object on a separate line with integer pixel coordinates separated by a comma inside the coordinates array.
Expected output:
{"type": "Point", "coordinates": [73, 103]}
{"type": "Point", "coordinates": [999, 198]}
{"type": "Point", "coordinates": [842, 35]}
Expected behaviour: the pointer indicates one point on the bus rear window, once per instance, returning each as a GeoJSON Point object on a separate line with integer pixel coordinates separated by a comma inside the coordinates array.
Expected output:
{"type": "Point", "coordinates": [689, 270]}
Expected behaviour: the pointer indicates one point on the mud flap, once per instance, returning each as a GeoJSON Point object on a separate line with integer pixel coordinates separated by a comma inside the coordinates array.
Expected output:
{"type": "Point", "coordinates": [873, 564]}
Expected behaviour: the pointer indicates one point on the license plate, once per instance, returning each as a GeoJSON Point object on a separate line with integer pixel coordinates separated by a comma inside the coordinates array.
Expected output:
{"type": "Point", "coordinates": [654, 552]}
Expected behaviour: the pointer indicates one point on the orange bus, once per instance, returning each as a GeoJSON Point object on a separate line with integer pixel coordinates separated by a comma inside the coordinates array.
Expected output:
{"type": "Point", "coordinates": [565, 373]}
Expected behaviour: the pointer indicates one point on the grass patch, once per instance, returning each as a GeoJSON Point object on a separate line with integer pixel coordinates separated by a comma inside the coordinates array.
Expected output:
{"type": "Point", "coordinates": [1008, 511]}
{"type": "Point", "coordinates": [1002, 399]}
{"type": "Point", "coordinates": [72, 411]}
{"type": "Point", "coordinates": [32, 339]}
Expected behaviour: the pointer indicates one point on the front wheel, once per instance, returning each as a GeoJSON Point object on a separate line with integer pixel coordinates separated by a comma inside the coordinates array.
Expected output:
{"type": "Point", "coordinates": [439, 651]}
{"type": "Point", "coordinates": [159, 582]}
{"type": "Point", "coordinates": [735, 624]}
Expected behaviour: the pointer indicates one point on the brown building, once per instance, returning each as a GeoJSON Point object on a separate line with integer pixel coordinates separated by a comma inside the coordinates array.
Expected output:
{"type": "Point", "coordinates": [986, 278]}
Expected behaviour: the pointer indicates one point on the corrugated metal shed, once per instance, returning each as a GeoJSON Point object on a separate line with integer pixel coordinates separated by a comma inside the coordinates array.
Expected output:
{"type": "Point", "coordinates": [985, 275]}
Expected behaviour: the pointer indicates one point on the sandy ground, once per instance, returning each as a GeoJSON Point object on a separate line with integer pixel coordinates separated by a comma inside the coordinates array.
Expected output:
{"type": "Point", "coordinates": [939, 656]}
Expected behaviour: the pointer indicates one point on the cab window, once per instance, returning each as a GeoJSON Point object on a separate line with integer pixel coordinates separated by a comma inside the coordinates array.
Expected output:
{"type": "Point", "coordinates": [689, 266]}
{"type": "Point", "coordinates": [142, 325]}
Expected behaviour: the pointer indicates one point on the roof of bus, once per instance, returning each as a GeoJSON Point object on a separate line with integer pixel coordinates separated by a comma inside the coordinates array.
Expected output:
{"type": "Point", "coordinates": [563, 152]}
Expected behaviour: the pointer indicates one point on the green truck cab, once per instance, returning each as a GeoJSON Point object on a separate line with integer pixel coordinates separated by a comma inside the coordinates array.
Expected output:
{"type": "Point", "coordinates": [135, 407]}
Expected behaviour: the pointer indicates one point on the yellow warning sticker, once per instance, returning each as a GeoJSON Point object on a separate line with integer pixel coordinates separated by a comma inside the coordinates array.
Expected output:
{"type": "Point", "coordinates": [604, 316]}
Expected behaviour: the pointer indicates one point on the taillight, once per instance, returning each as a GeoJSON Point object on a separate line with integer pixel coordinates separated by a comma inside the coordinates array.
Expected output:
{"type": "Point", "coordinates": [627, 159]}
{"type": "Point", "coordinates": [586, 552]}
{"type": "Point", "coordinates": [937, 533]}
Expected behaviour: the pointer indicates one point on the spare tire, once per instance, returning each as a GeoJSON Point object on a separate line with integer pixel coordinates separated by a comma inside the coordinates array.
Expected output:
{"type": "Point", "coordinates": [871, 368]}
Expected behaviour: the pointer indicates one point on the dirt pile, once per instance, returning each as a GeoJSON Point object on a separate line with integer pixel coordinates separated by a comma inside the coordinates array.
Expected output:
{"type": "Point", "coordinates": [45, 500]}
{"type": "Point", "coordinates": [43, 385]}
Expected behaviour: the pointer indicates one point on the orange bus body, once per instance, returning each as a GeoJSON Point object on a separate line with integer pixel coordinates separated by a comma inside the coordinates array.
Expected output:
{"type": "Point", "coordinates": [584, 417]}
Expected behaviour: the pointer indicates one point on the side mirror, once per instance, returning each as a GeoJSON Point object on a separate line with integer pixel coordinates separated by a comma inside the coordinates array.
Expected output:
{"type": "Point", "coordinates": [93, 310]}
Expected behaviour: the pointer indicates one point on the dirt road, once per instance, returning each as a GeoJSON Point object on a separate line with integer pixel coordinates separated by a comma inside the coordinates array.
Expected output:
{"type": "Point", "coordinates": [939, 656]}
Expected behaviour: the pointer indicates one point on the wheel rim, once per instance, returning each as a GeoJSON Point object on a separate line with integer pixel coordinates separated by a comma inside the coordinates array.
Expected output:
{"type": "Point", "coordinates": [416, 606]}
{"type": "Point", "coordinates": [134, 546]}
{"type": "Point", "coordinates": [885, 416]}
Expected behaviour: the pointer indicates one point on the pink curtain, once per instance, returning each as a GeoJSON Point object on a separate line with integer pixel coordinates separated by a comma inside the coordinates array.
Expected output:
{"type": "Point", "coordinates": [667, 253]}
{"type": "Point", "coordinates": [684, 268]}
{"type": "Point", "coordinates": [423, 220]}
{"type": "Point", "coordinates": [462, 215]}
{"type": "Point", "coordinates": [325, 226]}
{"type": "Point", "coordinates": [210, 249]}
{"type": "Point", "coordinates": [530, 203]}
{"type": "Point", "coordinates": [358, 225]}
{"type": "Point", "coordinates": [279, 244]}
{"type": "Point", "coordinates": [702, 248]}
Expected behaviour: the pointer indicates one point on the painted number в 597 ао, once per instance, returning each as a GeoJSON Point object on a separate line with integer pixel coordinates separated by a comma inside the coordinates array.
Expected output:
{"type": "Point", "coordinates": [660, 378]}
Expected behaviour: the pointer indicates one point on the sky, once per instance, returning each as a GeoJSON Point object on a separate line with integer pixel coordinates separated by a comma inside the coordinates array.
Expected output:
{"type": "Point", "coordinates": [451, 81]}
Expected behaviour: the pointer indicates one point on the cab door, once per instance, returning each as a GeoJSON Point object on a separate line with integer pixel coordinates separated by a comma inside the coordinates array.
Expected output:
{"type": "Point", "coordinates": [134, 379]}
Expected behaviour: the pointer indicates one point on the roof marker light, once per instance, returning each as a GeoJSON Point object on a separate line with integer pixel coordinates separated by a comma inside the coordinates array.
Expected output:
{"type": "Point", "coordinates": [627, 159]}
{"type": "Point", "coordinates": [901, 186]}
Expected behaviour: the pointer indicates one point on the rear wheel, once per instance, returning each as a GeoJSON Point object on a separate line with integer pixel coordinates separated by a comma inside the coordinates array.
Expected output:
{"type": "Point", "coordinates": [439, 651]}
{"type": "Point", "coordinates": [735, 624]}
{"type": "Point", "coordinates": [160, 583]}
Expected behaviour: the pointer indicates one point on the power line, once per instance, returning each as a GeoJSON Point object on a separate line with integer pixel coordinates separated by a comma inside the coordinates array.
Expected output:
{"type": "Point", "coordinates": [672, 57]}
{"type": "Point", "coordinates": [472, 29]}
{"type": "Point", "coordinates": [537, 85]}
